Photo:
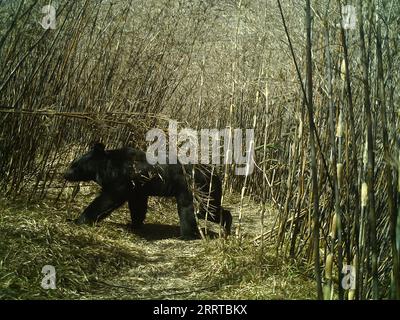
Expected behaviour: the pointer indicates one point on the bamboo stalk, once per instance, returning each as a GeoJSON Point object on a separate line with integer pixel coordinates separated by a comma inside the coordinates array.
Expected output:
{"type": "Point", "coordinates": [370, 151]}
{"type": "Point", "coordinates": [314, 172]}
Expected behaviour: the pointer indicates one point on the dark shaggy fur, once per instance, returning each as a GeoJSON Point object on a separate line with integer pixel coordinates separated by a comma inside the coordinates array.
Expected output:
{"type": "Point", "coordinates": [125, 175]}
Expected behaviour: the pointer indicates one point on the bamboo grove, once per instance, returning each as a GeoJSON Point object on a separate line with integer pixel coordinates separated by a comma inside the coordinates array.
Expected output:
{"type": "Point", "coordinates": [321, 96]}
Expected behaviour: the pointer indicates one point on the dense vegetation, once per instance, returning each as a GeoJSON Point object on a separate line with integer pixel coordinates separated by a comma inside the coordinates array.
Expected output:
{"type": "Point", "coordinates": [320, 95]}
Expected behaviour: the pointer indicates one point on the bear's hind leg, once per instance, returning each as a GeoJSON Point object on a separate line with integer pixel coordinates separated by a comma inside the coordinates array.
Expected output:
{"type": "Point", "coordinates": [226, 220]}
{"type": "Point", "coordinates": [222, 216]}
{"type": "Point", "coordinates": [187, 218]}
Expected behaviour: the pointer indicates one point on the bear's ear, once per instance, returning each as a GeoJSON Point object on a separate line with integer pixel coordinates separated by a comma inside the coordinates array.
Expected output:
{"type": "Point", "coordinates": [98, 147]}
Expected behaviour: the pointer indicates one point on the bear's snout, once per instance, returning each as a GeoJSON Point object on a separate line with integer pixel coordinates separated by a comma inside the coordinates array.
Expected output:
{"type": "Point", "coordinates": [69, 175]}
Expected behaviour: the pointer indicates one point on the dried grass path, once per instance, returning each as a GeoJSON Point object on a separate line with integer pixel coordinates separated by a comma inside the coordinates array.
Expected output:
{"type": "Point", "coordinates": [109, 261]}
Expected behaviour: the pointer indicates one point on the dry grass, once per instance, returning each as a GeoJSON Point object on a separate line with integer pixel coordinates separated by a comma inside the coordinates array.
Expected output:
{"type": "Point", "coordinates": [109, 261]}
{"type": "Point", "coordinates": [113, 69]}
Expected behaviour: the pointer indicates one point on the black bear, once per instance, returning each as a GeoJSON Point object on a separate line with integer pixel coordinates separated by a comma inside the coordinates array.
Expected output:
{"type": "Point", "coordinates": [125, 175]}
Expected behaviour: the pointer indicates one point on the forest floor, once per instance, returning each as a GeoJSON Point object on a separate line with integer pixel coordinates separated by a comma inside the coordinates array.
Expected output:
{"type": "Point", "coordinates": [109, 261]}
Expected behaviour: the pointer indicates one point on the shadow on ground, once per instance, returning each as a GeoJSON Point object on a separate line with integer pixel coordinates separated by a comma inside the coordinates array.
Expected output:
{"type": "Point", "coordinates": [155, 232]}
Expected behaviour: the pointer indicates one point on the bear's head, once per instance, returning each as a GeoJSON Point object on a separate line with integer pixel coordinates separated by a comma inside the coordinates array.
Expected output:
{"type": "Point", "coordinates": [85, 167]}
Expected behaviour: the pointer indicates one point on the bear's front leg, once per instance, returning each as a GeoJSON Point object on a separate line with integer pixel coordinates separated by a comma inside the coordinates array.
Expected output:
{"type": "Point", "coordinates": [100, 208]}
{"type": "Point", "coordinates": [187, 218]}
{"type": "Point", "coordinates": [138, 208]}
